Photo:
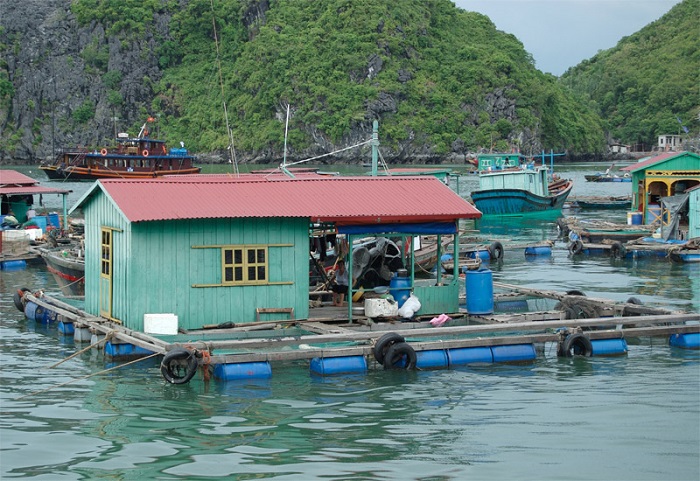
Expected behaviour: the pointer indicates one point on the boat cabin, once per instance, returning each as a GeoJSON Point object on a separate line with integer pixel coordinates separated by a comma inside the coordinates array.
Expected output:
{"type": "Point", "coordinates": [212, 250]}
{"type": "Point", "coordinates": [500, 161]}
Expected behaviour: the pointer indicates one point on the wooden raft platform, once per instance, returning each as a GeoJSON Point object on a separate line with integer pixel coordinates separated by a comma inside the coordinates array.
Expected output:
{"type": "Point", "coordinates": [307, 339]}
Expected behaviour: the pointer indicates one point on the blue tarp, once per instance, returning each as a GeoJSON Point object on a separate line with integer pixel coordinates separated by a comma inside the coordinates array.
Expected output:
{"type": "Point", "coordinates": [422, 228]}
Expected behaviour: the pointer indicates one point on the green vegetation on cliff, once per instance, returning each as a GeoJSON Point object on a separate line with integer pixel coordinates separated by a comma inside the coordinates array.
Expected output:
{"type": "Point", "coordinates": [648, 80]}
{"type": "Point", "coordinates": [432, 74]}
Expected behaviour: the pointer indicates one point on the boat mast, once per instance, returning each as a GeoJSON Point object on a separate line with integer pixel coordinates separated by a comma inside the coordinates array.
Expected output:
{"type": "Point", "coordinates": [231, 148]}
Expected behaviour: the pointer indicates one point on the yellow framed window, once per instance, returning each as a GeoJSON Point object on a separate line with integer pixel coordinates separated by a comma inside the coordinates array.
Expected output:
{"type": "Point", "coordinates": [244, 265]}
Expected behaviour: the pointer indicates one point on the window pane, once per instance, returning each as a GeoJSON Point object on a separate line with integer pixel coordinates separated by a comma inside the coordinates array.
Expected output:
{"type": "Point", "coordinates": [228, 256]}
{"type": "Point", "coordinates": [251, 256]}
{"type": "Point", "coordinates": [251, 273]}
{"type": "Point", "coordinates": [261, 273]}
{"type": "Point", "coordinates": [238, 256]}
{"type": "Point", "coordinates": [261, 256]}
{"type": "Point", "coordinates": [238, 274]}
{"type": "Point", "coordinates": [228, 274]}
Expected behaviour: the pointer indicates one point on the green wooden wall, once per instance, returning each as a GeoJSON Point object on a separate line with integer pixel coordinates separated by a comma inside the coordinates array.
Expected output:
{"type": "Point", "coordinates": [156, 266]}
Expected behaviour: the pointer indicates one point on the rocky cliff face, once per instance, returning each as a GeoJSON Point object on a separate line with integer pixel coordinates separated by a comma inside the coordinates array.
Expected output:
{"type": "Point", "coordinates": [76, 85]}
{"type": "Point", "coordinates": [56, 68]}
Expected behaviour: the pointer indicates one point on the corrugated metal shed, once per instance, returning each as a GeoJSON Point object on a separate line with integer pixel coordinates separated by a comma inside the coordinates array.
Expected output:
{"type": "Point", "coordinates": [652, 161]}
{"type": "Point", "coordinates": [16, 183]}
{"type": "Point", "coordinates": [346, 200]}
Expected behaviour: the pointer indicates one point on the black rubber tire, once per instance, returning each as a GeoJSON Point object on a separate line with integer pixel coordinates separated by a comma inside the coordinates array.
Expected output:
{"type": "Point", "coordinates": [634, 300]}
{"type": "Point", "coordinates": [576, 247]}
{"type": "Point", "coordinates": [563, 228]}
{"type": "Point", "coordinates": [400, 351]}
{"type": "Point", "coordinates": [383, 343]}
{"type": "Point", "coordinates": [179, 365]}
{"type": "Point", "coordinates": [575, 345]}
{"type": "Point", "coordinates": [618, 251]}
{"type": "Point", "coordinates": [496, 250]}
{"type": "Point", "coordinates": [575, 292]}
{"type": "Point", "coordinates": [17, 298]}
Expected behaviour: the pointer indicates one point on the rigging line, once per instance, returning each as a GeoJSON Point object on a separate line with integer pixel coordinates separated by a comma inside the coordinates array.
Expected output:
{"type": "Point", "coordinates": [330, 153]}
{"type": "Point", "coordinates": [386, 167]}
{"type": "Point", "coordinates": [229, 134]}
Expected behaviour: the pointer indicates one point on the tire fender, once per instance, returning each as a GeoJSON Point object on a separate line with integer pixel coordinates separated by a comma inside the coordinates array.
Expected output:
{"type": "Point", "coordinates": [179, 365]}
{"type": "Point", "coordinates": [496, 250]}
{"type": "Point", "coordinates": [400, 356]}
{"type": "Point", "coordinates": [18, 298]}
{"type": "Point", "coordinates": [384, 343]}
{"type": "Point", "coordinates": [575, 345]}
{"type": "Point", "coordinates": [618, 251]}
{"type": "Point", "coordinates": [576, 247]}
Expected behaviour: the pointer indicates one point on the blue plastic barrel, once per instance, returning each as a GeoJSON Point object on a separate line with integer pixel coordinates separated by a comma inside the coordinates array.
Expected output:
{"type": "Point", "coordinates": [41, 221]}
{"type": "Point", "coordinates": [479, 291]}
{"type": "Point", "coordinates": [469, 355]}
{"type": "Point", "coordinates": [484, 255]}
{"type": "Point", "coordinates": [513, 353]}
{"type": "Point", "coordinates": [431, 359]}
{"type": "Point", "coordinates": [326, 366]}
{"type": "Point", "coordinates": [538, 251]}
{"type": "Point", "coordinates": [689, 340]}
{"type": "Point", "coordinates": [243, 370]}
{"type": "Point", "coordinates": [400, 288]}
{"type": "Point", "coordinates": [66, 328]}
{"type": "Point", "coordinates": [13, 265]}
{"type": "Point", "coordinates": [125, 350]}
{"type": "Point", "coordinates": [608, 347]}
{"type": "Point", "coordinates": [634, 218]}
{"type": "Point", "coordinates": [54, 220]}
{"type": "Point", "coordinates": [30, 310]}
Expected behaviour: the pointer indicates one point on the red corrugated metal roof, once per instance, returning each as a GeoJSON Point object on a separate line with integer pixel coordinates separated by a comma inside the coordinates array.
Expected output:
{"type": "Point", "coordinates": [346, 200]}
{"type": "Point", "coordinates": [16, 183]}
{"type": "Point", "coordinates": [651, 161]}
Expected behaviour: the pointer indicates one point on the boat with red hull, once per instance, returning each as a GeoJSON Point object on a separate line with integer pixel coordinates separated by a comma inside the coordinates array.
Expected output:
{"type": "Point", "coordinates": [131, 158]}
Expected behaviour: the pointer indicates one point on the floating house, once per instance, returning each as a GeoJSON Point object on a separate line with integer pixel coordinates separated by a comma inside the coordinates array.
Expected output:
{"type": "Point", "coordinates": [210, 250]}
{"type": "Point", "coordinates": [17, 193]}
{"type": "Point", "coordinates": [664, 175]}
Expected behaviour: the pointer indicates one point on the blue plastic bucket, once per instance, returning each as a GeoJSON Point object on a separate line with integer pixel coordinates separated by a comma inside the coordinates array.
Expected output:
{"type": "Point", "coordinates": [54, 220]}
{"type": "Point", "coordinates": [538, 251]}
{"type": "Point", "coordinates": [608, 347]}
{"type": "Point", "coordinates": [41, 221]}
{"type": "Point", "coordinates": [469, 355]}
{"type": "Point", "coordinates": [243, 370]}
{"type": "Point", "coordinates": [513, 353]}
{"type": "Point", "coordinates": [479, 291]}
{"type": "Point", "coordinates": [326, 366]}
{"type": "Point", "coordinates": [690, 340]}
{"type": "Point", "coordinates": [431, 359]}
{"type": "Point", "coordinates": [400, 288]}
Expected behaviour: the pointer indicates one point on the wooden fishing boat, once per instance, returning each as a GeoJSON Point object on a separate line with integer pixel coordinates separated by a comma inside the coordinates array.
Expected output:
{"type": "Point", "coordinates": [606, 177]}
{"type": "Point", "coordinates": [518, 191]}
{"type": "Point", "coordinates": [67, 265]}
{"type": "Point", "coordinates": [604, 203]}
{"type": "Point", "coordinates": [133, 158]}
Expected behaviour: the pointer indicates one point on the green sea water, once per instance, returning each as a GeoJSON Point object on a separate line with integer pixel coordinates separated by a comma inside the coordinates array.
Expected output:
{"type": "Point", "coordinates": [630, 417]}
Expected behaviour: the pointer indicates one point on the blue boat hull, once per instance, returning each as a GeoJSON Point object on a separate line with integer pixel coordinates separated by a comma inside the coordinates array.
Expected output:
{"type": "Point", "coordinates": [504, 202]}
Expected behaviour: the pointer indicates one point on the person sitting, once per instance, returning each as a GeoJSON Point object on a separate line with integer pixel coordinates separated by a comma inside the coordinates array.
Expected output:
{"type": "Point", "coordinates": [340, 287]}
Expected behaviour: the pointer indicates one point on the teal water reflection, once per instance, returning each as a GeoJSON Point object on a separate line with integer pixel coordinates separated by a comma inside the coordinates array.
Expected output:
{"type": "Point", "coordinates": [634, 417]}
